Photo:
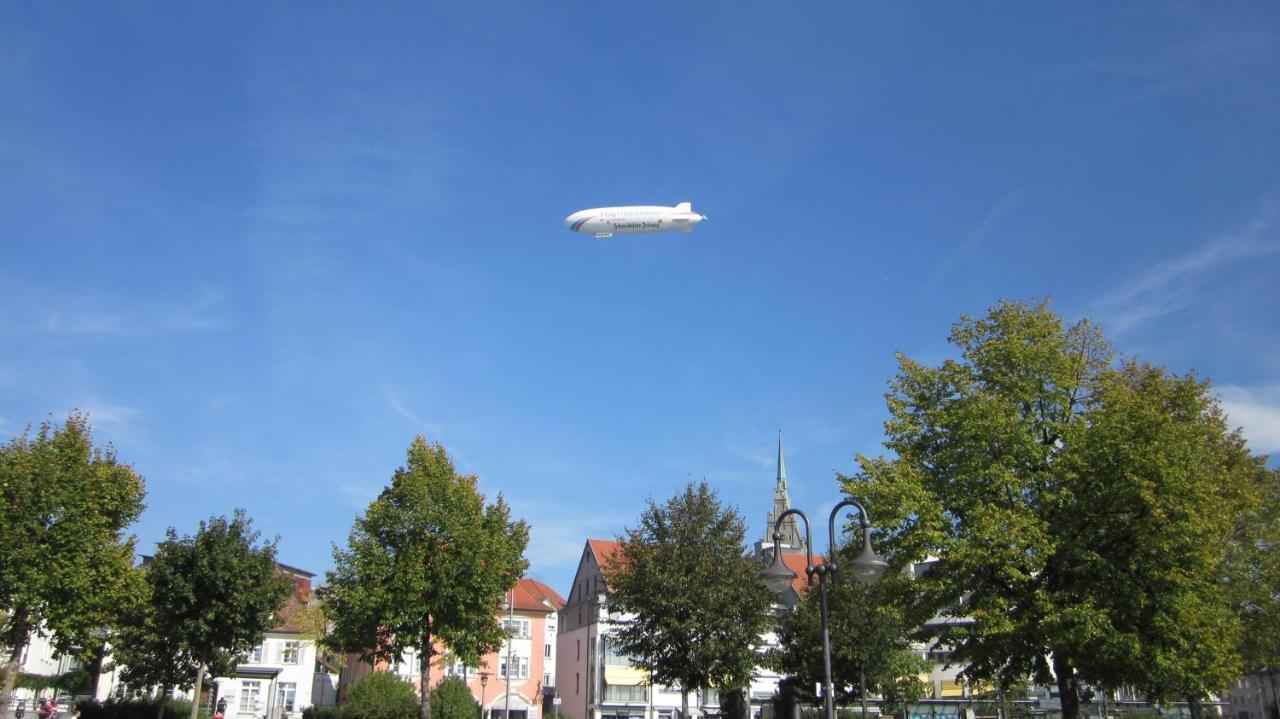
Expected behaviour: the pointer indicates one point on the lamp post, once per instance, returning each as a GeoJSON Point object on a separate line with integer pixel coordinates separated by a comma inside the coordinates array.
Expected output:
{"type": "Point", "coordinates": [866, 568]}
{"type": "Point", "coordinates": [511, 617]}
{"type": "Point", "coordinates": [484, 682]}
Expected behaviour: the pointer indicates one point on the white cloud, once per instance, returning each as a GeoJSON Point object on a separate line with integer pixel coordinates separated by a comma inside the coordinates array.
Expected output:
{"type": "Point", "coordinates": [1178, 283]}
{"type": "Point", "coordinates": [1256, 410]}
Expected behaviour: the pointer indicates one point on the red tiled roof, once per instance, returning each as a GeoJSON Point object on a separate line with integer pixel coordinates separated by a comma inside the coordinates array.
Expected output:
{"type": "Point", "coordinates": [534, 596]}
{"type": "Point", "coordinates": [797, 562]}
{"type": "Point", "coordinates": [604, 550]}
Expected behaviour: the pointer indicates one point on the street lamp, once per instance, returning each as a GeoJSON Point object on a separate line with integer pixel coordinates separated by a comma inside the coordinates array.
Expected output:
{"type": "Point", "coordinates": [484, 682]}
{"type": "Point", "coordinates": [511, 623]}
{"type": "Point", "coordinates": [866, 568]}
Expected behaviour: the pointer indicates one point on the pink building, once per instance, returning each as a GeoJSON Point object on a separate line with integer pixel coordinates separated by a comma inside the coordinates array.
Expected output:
{"type": "Point", "coordinates": [530, 615]}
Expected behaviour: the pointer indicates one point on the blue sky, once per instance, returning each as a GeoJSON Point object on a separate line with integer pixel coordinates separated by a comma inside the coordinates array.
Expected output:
{"type": "Point", "coordinates": [266, 246]}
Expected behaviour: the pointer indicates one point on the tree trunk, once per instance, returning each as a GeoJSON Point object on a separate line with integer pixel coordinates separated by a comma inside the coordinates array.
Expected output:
{"type": "Point", "coordinates": [1196, 707]}
{"type": "Point", "coordinates": [424, 669]}
{"type": "Point", "coordinates": [684, 701]}
{"type": "Point", "coordinates": [160, 700]}
{"type": "Point", "coordinates": [1068, 688]}
{"type": "Point", "coordinates": [195, 700]}
{"type": "Point", "coordinates": [11, 670]}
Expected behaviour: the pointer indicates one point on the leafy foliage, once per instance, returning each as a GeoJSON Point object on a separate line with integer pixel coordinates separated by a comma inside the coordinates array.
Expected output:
{"type": "Point", "coordinates": [133, 709]}
{"type": "Point", "coordinates": [1082, 513]}
{"type": "Point", "coordinates": [381, 695]}
{"type": "Point", "coordinates": [65, 564]}
{"type": "Point", "coordinates": [451, 699]}
{"type": "Point", "coordinates": [703, 638]}
{"type": "Point", "coordinates": [212, 596]}
{"type": "Point", "coordinates": [869, 641]}
{"type": "Point", "coordinates": [428, 562]}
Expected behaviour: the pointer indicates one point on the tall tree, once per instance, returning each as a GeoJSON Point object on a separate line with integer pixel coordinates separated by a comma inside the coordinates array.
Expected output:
{"type": "Point", "coordinates": [871, 651]}
{"type": "Point", "coordinates": [693, 605]}
{"type": "Point", "coordinates": [1076, 508]}
{"type": "Point", "coordinates": [213, 596]}
{"type": "Point", "coordinates": [428, 562]}
{"type": "Point", "coordinates": [65, 563]}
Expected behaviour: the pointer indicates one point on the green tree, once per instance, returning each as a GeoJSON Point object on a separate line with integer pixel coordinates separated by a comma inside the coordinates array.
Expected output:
{"type": "Point", "coordinates": [427, 564]}
{"type": "Point", "coordinates": [871, 652]}
{"type": "Point", "coordinates": [1081, 513]}
{"type": "Point", "coordinates": [451, 699]}
{"type": "Point", "coordinates": [65, 564]}
{"type": "Point", "coordinates": [697, 606]}
{"type": "Point", "coordinates": [381, 695]}
{"type": "Point", "coordinates": [212, 598]}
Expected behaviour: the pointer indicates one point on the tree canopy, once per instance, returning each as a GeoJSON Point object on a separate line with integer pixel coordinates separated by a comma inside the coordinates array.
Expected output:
{"type": "Point", "coordinates": [1081, 512]}
{"type": "Point", "coordinates": [692, 608]}
{"type": "Point", "coordinates": [429, 562]}
{"type": "Point", "coordinates": [65, 562]}
{"type": "Point", "coordinates": [212, 596]}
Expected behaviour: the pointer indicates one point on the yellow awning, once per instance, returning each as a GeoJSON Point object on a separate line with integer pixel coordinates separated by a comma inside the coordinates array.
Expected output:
{"type": "Point", "coordinates": [952, 688]}
{"type": "Point", "coordinates": [625, 676]}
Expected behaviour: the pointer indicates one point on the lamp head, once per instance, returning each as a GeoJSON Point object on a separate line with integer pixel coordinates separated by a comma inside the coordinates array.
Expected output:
{"type": "Point", "coordinates": [867, 567]}
{"type": "Point", "coordinates": [777, 576]}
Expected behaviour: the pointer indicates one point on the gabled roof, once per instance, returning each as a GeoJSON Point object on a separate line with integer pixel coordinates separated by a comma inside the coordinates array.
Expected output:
{"type": "Point", "coordinates": [534, 596]}
{"type": "Point", "coordinates": [604, 550]}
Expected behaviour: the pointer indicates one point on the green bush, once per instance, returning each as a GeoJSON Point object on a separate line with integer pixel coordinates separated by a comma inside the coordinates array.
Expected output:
{"type": "Point", "coordinates": [324, 713]}
{"type": "Point", "coordinates": [381, 695]}
{"type": "Point", "coordinates": [451, 699]}
{"type": "Point", "coordinates": [133, 709]}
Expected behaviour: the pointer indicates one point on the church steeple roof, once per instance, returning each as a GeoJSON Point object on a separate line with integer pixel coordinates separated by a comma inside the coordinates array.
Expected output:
{"type": "Point", "coordinates": [791, 540]}
{"type": "Point", "coordinates": [782, 465]}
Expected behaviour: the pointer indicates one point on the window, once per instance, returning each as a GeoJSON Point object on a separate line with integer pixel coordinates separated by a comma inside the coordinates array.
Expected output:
{"type": "Point", "coordinates": [289, 652]}
{"type": "Point", "coordinates": [250, 690]}
{"type": "Point", "coordinates": [520, 668]}
{"type": "Point", "coordinates": [546, 650]}
{"type": "Point", "coordinates": [255, 656]}
{"type": "Point", "coordinates": [579, 650]}
{"type": "Point", "coordinates": [285, 695]}
{"type": "Point", "coordinates": [614, 693]}
{"type": "Point", "coordinates": [546, 680]}
{"type": "Point", "coordinates": [516, 628]}
{"type": "Point", "coordinates": [613, 656]}
{"type": "Point", "coordinates": [458, 669]}
{"type": "Point", "coordinates": [577, 683]}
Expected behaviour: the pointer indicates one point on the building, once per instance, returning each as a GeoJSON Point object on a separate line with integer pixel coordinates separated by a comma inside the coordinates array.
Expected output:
{"type": "Point", "coordinates": [594, 679]}
{"type": "Point", "coordinates": [1253, 697]}
{"type": "Point", "coordinates": [275, 680]}
{"type": "Point", "coordinates": [529, 656]}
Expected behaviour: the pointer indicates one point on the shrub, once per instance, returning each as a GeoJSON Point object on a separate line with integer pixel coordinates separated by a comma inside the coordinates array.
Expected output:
{"type": "Point", "coordinates": [381, 695]}
{"type": "Point", "coordinates": [133, 709]}
{"type": "Point", "coordinates": [324, 713]}
{"type": "Point", "coordinates": [451, 699]}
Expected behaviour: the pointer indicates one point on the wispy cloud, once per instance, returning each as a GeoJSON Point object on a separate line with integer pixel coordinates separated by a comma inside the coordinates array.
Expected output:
{"type": "Point", "coordinates": [974, 238]}
{"type": "Point", "coordinates": [427, 428]}
{"type": "Point", "coordinates": [99, 317]}
{"type": "Point", "coordinates": [1256, 410]}
{"type": "Point", "coordinates": [117, 423]}
{"type": "Point", "coordinates": [1180, 282]}
{"type": "Point", "coordinates": [1179, 67]}
{"type": "Point", "coordinates": [557, 532]}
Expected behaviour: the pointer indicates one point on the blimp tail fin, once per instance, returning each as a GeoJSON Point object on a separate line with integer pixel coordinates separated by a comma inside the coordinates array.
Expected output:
{"type": "Point", "coordinates": [684, 207]}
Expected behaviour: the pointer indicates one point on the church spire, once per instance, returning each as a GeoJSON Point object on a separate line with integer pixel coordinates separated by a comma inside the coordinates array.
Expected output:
{"type": "Point", "coordinates": [791, 540]}
{"type": "Point", "coordinates": [782, 465]}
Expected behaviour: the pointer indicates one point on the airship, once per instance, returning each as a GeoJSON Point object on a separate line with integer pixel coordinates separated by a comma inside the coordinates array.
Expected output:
{"type": "Point", "coordinates": [603, 222]}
